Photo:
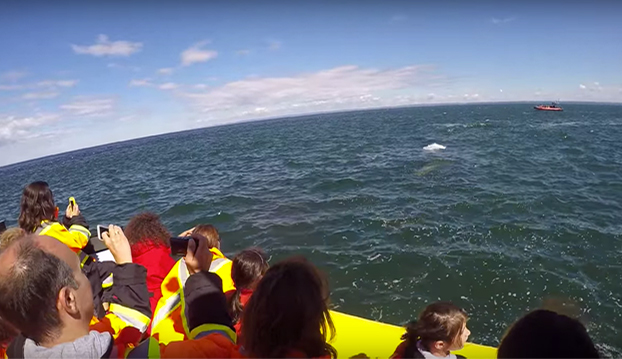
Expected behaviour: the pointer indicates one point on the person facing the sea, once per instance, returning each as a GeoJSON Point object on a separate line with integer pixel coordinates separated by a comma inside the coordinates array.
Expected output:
{"type": "Point", "coordinates": [440, 329]}
{"type": "Point", "coordinates": [221, 265]}
{"type": "Point", "coordinates": [39, 215]}
{"type": "Point", "coordinates": [287, 316]}
{"type": "Point", "coordinates": [150, 243]}
{"type": "Point", "coordinates": [249, 266]}
{"type": "Point", "coordinates": [45, 295]}
{"type": "Point", "coordinates": [546, 334]}
{"type": "Point", "coordinates": [10, 235]}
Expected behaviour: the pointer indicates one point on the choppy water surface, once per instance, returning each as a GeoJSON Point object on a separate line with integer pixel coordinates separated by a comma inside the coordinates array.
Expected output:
{"type": "Point", "coordinates": [520, 206]}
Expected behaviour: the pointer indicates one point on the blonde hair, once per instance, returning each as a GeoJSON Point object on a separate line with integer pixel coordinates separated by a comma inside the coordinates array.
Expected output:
{"type": "Point", "coordinates": [9, 236]}
{"type": "Point", "coordinates": [211, 233]}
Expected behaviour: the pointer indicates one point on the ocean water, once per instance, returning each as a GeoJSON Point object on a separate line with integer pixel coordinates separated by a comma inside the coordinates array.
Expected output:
{"type": "Point", "coordinates": [521, 207]}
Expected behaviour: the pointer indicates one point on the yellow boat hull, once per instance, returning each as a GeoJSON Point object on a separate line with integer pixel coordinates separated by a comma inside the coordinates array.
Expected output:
{"type": "Point", "coordinates": [356, 335]}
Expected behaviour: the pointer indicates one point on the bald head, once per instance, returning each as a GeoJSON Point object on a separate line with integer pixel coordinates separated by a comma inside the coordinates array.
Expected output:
{"type": "Point", "coordinates": [33, 271]}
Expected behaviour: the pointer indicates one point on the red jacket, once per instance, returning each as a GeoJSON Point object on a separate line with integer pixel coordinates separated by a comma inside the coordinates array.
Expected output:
{"type": "Point", "coordinates": [157, 259]}
{"type": "Point", "coordinates": [245, 295]}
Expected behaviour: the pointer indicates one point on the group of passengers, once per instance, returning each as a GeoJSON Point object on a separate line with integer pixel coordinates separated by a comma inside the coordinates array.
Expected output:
{"type": "Point", "coordinates": [58, 301]}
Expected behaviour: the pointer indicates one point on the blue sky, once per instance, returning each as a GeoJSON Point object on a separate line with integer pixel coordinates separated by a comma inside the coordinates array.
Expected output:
{"type": "Point", "coordinates": [78, 74]}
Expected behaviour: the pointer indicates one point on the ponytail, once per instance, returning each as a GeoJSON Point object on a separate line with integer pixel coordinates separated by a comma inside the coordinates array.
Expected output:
{"type": "Point", "coordinates": [247, 269]}
{"type": "Point", "coordinates": [234, 305]}
{"type": "Point", "coordinates": [438, 321]}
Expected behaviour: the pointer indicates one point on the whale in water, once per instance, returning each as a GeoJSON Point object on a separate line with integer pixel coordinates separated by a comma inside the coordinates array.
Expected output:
{"type": "Point", "coordinates": [434, 147]}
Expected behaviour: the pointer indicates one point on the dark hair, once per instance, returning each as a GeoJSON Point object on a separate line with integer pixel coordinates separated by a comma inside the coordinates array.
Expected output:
{"type": "Point", "coordinates": [288, 312]}
{"type": "Point", "coordinates": [546, 334]}
{"type": "Point", "coordinates": [438, 321]}
{"type": "Point", "coordinates": [147, 227]}
{"type": "Point", "coordinates": [37, 205]}
{"type": "Point", "coordinates": [248, 267]}
{"type": "Point", "coordinates": [7, 331]}
{"type": "Point", "coordinates": [210, 232]}
{"type": "Point", "coordinates": [29, 291]}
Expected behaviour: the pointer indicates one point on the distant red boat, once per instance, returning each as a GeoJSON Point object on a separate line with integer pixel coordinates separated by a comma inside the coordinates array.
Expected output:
{"type": "Point", "coordinates": [552, 107]}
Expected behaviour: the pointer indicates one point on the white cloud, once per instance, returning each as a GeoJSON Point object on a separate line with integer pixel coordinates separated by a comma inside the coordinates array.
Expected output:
{"type": "Point", "coordinates": [195, 54]}
{"type": "Point", "coordinates": [104, 47]}
{"type": "Point", "coordinates": [582, 86]}
{"type": "Point", "coordinates": [14, 128]}
{"type": "Point", "coordinates": [141, 83]}
{"type": "Point", "coordinates": [11, 87]}
{"type": "Point", "coordinates": [166, 71]}
{"type": "Point", "coordinates": [498, 21]}
{"type": "Point", "coordinates": [337, 88]}
{"type": "Point", "coordinates": [243, 52]}
{"type": "Point", "coordinates": [13, 75]}
{"type": "Point", "coordinates": [40, 95]}
{"type": "Point", "coordinates": [90, 107]}
{"type": "Point", "coordinates": [200, 86]}
{"type": "Point", "coordinates": [168, 86]}
{"type": "Point", "coordinates": [114, 65]}
{"type": "Point", "coordinates": [274, 44]}
{"type": "Point", "coordinates": [59, 83]}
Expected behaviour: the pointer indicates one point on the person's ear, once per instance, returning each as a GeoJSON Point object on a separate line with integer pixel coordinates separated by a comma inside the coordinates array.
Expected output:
{"type": "Point", "coordinates": [438, 345]}
{"type": "Point", "coordinates": [67, 301]}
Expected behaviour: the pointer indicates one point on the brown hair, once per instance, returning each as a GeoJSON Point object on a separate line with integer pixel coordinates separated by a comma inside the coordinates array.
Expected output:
{"type": "Point", "coordinates": [146, 227]}
{"type": "Point", "coordinates": [37, 205]}
{"type": "Point", "coordinates": [210, 232]}
{"type": "Point", "coordinates": [288, 312]}
{"type": "Point", "coordinates": [546, 334]}
{"type": "Point", "coordinates": [438, 321]}
{"type": "Point", "coordinates": [9, 236]}
{"type": "Point", "coordinates": [247, 269]}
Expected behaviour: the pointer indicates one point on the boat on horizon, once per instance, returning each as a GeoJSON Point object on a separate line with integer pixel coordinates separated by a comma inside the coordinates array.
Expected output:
{"type": "Point", "coordinates": [552, 107]}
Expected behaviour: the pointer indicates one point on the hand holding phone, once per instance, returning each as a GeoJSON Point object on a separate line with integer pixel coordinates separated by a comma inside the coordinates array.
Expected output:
{"type": "Point", "coordinates": [118, 244]}
{"type": "Point", "coordinates": [72, 208]}
{"type": "Point", "coordinates": [100, 231]}
{"type": "Point", "coordinates": [198, 256]}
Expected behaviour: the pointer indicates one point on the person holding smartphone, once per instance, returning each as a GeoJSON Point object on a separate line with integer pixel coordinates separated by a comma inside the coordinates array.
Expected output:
{"type": "Point", "coordinates": [39, 215]}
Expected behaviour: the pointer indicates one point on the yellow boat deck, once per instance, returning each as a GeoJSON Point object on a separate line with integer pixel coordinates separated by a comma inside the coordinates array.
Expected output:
{"type": "Point", "coordinates": [356, 335]}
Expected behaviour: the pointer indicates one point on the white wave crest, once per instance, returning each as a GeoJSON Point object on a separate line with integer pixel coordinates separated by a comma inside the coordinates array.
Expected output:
{"type": "Point", "coordinates": [434, 147]}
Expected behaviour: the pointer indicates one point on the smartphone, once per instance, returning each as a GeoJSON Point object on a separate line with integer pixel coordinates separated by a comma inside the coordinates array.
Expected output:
{"type": "Point", "coordinates": [179, 245]}
{"type": "Point", "coordinates": [72, 202]}
{"type": "Point", "coordinates": [101, 230]}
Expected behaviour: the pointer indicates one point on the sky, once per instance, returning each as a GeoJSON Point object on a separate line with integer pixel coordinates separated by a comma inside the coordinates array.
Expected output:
{"type": "Point", "coordinates": [79, 74]}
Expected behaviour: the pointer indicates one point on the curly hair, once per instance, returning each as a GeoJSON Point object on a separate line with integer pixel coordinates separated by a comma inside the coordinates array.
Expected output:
{"type": "Point", "coordinates": [147, 227]}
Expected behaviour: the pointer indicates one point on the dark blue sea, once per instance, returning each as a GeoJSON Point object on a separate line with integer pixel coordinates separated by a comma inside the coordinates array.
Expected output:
{"type": "Point", "coordinates": [521, 209]}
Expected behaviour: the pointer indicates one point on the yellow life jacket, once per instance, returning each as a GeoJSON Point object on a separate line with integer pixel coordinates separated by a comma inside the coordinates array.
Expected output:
{"type": "Point", "coordinates": [169, 319]}
{"type": "Point", "coordinates": [76, 237]}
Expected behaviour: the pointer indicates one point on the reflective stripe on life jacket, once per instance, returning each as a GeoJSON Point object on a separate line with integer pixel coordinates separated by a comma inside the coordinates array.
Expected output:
{"type": "Point", "coordinates": [169, 320]}
{"type": "Point", "coordinates": [76, 237]}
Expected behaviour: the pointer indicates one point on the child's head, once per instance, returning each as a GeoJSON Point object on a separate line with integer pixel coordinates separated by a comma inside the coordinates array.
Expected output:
{"type": "Point", "coordinates": [546, 334]}
{"type": "Point", "coordinates": [247, 269]}
{"type": "Point", "coordinates": [441, 327]}
{"type": "Point", "coordinates": [211, 233]}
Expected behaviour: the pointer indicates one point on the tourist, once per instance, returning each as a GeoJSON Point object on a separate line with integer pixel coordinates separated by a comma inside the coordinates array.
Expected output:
{"type": "Point", "coordinates": [546, 334]}
{"type": "Point", "coordinates": [287, 316]}
{"type": "Point", "coordinates": [439, 330]}
{"type": "Point", "coordinates": [221, 265]}
{"type": "Point", "coordinates": [149, 240]}
{"type": "Point", "coordinates": [248, 268]}
{"type": "Point", "coordinates": [39, 214]}
{"type": "Point", "coordinates": [10, 235]}
{"type": "Point", "coordinates": [45, 295]}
